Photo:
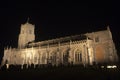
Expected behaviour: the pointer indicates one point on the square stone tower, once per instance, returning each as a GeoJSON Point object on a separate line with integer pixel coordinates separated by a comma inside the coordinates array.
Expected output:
{"type": "Point", "coordinates": [26, 34]}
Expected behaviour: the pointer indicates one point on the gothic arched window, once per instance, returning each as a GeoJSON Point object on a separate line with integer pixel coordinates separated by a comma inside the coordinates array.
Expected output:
{"type": "Point", "coordinates": [43, 58]}
{"type": "Point", "coordinates": [54, 57]}
{"type": "Point", "coordinates": [78, 56]}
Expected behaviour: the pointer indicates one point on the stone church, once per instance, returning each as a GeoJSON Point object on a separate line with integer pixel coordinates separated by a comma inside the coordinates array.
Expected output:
{"type": "Point", "coordinates": [84, 49]}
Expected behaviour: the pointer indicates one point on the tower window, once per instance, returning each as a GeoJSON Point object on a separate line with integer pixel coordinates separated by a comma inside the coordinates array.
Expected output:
{"type": "Point", "coordinates": [30, 31]}
{"type": "Point", "coordinates": [97, 39]}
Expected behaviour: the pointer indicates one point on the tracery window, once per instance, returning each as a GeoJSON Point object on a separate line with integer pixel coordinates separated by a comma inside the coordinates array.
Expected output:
{"type": "Point", "coordinates": [78, 56]}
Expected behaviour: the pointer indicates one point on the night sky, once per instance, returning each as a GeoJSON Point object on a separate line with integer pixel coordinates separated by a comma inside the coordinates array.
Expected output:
{"type": "Point", "coordinates": [57, 19]}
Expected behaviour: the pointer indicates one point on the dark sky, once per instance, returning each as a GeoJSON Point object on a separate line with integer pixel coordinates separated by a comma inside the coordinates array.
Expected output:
{"type": "Point", "coordinates": [56, 19]}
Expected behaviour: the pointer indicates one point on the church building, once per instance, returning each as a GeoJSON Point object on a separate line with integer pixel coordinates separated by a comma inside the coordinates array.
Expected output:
{"type": "Point", "coordinates": [84, 49]}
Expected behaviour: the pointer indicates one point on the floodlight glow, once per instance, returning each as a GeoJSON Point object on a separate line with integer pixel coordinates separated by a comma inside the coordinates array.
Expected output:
{"type": "Point", "coordinates": [114, 66]}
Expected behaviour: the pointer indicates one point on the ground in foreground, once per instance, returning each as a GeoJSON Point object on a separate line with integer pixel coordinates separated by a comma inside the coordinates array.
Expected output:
{"type": "Point", "coordinates": [60, 73]}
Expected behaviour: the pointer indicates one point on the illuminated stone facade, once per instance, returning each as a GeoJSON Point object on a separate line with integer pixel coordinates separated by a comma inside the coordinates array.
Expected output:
{"type": "Point", "coordinates": [85, 49]}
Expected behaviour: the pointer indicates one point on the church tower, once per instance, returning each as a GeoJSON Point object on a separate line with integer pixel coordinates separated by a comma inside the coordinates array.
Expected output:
{"type": "Point", "coordinates": [26, 34]}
